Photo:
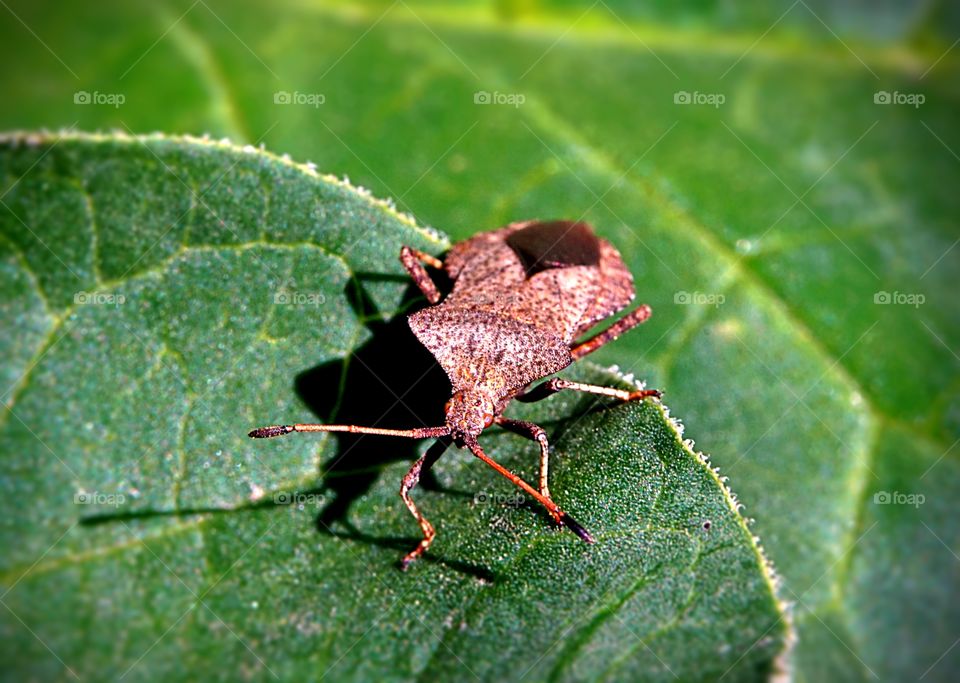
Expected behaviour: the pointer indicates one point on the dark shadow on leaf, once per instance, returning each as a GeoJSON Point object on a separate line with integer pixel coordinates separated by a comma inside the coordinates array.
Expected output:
{"type": "Point", "coordinates": [391, 381]}
{"type": "Point", "coordinates": [401, 545]}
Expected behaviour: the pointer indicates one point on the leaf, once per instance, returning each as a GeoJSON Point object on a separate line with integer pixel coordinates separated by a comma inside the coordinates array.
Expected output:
{"type": "Point", "coordinates": [182, 291]}
{"type": "Point", "coordinates": [813, 398]}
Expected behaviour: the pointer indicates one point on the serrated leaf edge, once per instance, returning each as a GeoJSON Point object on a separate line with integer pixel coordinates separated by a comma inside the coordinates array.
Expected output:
{"type": "Point", "coordinates": [782, 664]}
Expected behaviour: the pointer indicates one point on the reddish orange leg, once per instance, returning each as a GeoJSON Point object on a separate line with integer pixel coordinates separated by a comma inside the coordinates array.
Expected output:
{"type": "Point", "coordinates": [558, 515]}
{"type": "Point", "coordinates": [413, 260]}
{"type": "Point", "coordinates": [409, 481]}
{"type": "Point", "coordinates": [536, 433]}
{"type": "Point", "coordinates": [627, 322]}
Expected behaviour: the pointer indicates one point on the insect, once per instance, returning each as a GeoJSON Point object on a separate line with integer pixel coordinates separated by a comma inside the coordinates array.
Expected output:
{"type": "Point", "coordinates": [521, 296]}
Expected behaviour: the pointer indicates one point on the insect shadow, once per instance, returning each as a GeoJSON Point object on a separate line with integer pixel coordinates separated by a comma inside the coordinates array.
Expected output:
{"type": "Point", "coordinates": [391, 381]}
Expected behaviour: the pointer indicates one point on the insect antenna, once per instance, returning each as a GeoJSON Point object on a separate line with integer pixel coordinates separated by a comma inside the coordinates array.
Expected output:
{"type": "Point", "coordinates": [280, 430]}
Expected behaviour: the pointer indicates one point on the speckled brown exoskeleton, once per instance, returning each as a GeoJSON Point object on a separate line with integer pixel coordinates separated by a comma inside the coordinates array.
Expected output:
{"type": "Point", "coordinates": [521, 296]}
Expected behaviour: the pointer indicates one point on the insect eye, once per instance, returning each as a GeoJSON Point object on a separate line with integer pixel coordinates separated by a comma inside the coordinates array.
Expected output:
{"type": "Point", "coordinates": [487, 419]}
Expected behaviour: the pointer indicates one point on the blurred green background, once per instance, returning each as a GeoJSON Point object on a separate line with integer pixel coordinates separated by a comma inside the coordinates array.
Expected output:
{"type": "Point", "coordinates": [781, 178]}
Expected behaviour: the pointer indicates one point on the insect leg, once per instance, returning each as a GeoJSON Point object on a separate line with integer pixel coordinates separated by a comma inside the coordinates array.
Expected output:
{"type": "Point", "coordinates": [409, 481]}
{"type": "Point", "coordinates": [558, 515]}
{"type": "Point", "coordinates": [627, 322]}
{"type": "Point", "coordinates": [555, 384]}
{"type": "Point", "coordinates": [536, 433]}
{"type": "Point", "coordinates": [413, 260]}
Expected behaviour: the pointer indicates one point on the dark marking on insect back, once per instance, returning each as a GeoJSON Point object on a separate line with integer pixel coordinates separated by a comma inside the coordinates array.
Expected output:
{"type": "Point", "coordinates": [521, 296]}
{"type": "Point", "coordinates": [556, 244]}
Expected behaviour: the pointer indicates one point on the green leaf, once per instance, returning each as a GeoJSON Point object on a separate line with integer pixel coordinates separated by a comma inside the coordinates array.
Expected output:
{"type": "Point", "coordinates": [173, 292]}
{"type": "Point", "coordinates": [813, 398]}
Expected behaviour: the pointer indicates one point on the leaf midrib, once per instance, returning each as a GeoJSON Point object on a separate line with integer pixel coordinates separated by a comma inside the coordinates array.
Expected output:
{"type": "Point", "coordinates": [551, 25]}
{"type": "Point", "coordinates": [555, 127]}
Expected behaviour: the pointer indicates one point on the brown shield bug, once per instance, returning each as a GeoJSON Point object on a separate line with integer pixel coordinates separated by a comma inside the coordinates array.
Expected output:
{"type": "Point", "coordinates": [521, 296]}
